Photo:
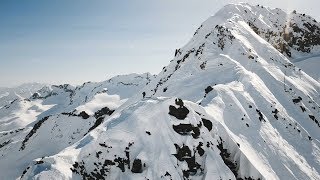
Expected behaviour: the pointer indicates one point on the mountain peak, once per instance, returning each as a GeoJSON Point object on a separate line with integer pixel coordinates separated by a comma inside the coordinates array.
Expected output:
{"type": "Point", "coordinates": [293, 34]}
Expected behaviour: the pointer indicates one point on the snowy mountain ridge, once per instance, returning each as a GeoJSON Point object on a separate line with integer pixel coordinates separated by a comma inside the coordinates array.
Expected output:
{"type": "Point", "coordinates": [54, 117]}
{"type": "Point", "coordinates": [230, 105]}
{"type": "Point", "coordinates": [294, 35]}
{"type": "Point", "coordinates": [7, 95]}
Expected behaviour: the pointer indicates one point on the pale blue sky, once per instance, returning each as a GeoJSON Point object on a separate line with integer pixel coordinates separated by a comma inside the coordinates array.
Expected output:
{"type": "Point", "coordinates": [73, 41]}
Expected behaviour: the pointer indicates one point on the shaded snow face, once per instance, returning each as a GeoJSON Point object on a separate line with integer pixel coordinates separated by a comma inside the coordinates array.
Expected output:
{"type": "Point", "coordinates": [310, 65]}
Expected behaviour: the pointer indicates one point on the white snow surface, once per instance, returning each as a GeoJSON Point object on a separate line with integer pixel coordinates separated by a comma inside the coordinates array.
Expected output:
{"type": "Point", "coordinates": [230, 105]}
{"type": "Point", "coordinates": [8, 95]}
{"type": "Point", "coordinates": [310, 66]}
{"type": "Point", "coordinates": [99, 101]}
{"type": "Point", "coordinates": [49, 120]}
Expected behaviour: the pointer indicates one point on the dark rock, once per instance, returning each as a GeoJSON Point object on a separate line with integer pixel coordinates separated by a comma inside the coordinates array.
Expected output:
{"type": "Point", "coordinates": [103, 112]}
{"type": "Point", "coordinates": [182, 152]}
{"type": "Point", "coordinates": [35, 96]}
{"type": "Point", "coordinates": [223, 35]}
{"type": "Point", "coordinates": [24, 172]}
{"type": "Point", "coordinates": [260, 115]}
{"type": "Point", "coordinates": [4, 143]}
{"type": "Point", "coordinates": [79, 168]}
{"type": "Point", "coordinates": [312, 117]}
{"type": "Point", "coordinates": [104, 145]}
{"type": "Point", "coordinates": [39, 162]}
{"type": "Point", "coordinates": [203, 65]}
{"type": "Point", "coordinates": [207, 124]}
{"type": "Point", "coordinates": [70, 114]}
{"type": "Point", "coordinates": [225, 155]}
{"type": "Point", "coordinates": [99, 115]}
{"type": "Point", "coordinates": [198, 30]}
{"type": "Point", "coordinates": [33, 131]}
{"type": "Point", "coordinates": [192, 165]}
{"type": "Point", "coordinates": [84, 115]}
{"type": "Point", "coordinates": [314, 120]}
{"type": "Point", "coordinates": [180, 113]}
{"type": "Point", "coordinates": [200, 50]}
{"type": "Point", "coordinates": [167, 174]}
{"type": "Point", "coordinates": [275, 113]}
{"type": "Point", "coordinates": [208, 89]}
{"type": "Point", "coordinates": [121, 163]}
{"type": "Point", "coordinates": [109, 163]}
{"type": "Point", "coordinates": [179, 102]}
{"type": "Point", "coordinates": [136, 166]}
{"type": "Point", "coordinates": [96, 124]}
{"type": "Point", "coordinates": [297, 100]}
{"type": "Point", "coordinates": [176, 52]}
{"type": "Point", "coordinates": [251, 57]}
{"type": "Point", "coordinates": [98, 154]}
{"type": "Point", "coordinates": [183, 129]}
{"type": "Point", "coordinates": [199, 149]}
{"type": "Point", "coordinates": [187, 129]}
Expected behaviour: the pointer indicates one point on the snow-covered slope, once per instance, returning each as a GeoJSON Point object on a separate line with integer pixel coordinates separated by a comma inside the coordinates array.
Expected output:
{"type": "Point", "coordinates": [155, 139]}
{"type": "Point", "coordinates": [57, 116]}
{"type": "Point", "coordinates": [310, 65]}
{"type": "Point", "coordinates": [55, 99]}
{"type": "Point", "coordinates": [244, 110]}
{"type": "Point", "coordinates": [269, 106]}
{"type": "Point", "coordinates": [8, 95]}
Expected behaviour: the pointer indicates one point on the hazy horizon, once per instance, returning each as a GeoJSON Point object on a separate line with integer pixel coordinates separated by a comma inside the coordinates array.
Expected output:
{"type": "Point", "coordinates": [57, 42]}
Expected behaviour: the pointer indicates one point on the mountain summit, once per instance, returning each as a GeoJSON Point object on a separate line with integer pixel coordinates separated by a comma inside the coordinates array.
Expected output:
{"type": "Point", "coordinates": [230, 105]}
